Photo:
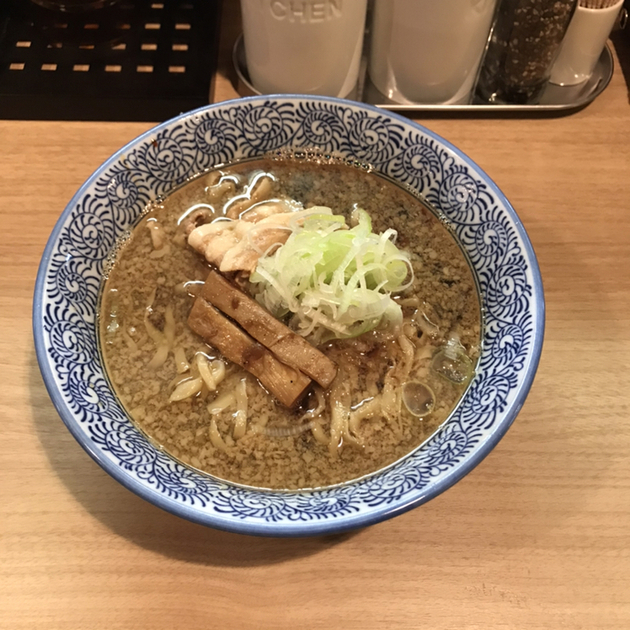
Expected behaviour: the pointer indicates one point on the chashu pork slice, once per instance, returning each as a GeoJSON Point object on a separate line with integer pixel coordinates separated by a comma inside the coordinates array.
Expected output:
{"type": "Point", "coordinates": [289, 347]}
{"type": "Point", "coordinates": [236, 245]}
{"type": "Point", "coordinates": [287, 384]}
{"type": "Point", "coordinates": [214, 240]}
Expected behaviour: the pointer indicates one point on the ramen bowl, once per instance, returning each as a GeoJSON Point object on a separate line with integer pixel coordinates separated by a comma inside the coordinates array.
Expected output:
{"type": "Point", "coordinates": [111, 200]}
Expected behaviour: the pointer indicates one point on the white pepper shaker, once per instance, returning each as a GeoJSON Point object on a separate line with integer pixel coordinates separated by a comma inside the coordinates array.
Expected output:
{"type": "Point", "coordinates": [428, 51]}
{"type": "Point", "coordinates": [304, 46]}
{"type": "Point", "coordinates": [584, 41]}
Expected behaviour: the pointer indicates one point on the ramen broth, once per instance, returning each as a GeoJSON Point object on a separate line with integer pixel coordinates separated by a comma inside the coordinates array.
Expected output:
{"type": "Point", "coordinates": [150, 351]}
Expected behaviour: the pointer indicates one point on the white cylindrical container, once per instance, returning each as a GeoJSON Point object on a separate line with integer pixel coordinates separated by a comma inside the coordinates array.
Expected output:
{"type": "Point", "coordinates": [583, 44]}
{"type": "Point", "coordinates": [304, 46]}
{"type": "Point", "coordinates": [428, 51]}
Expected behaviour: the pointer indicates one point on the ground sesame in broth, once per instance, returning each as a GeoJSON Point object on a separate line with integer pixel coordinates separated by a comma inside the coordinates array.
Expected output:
{"type": "Point", "coordinates": [266, 456]}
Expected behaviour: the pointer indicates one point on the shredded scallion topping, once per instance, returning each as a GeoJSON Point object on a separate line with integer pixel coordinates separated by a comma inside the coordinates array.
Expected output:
{"type": "Point", "coordinates": [333, 282]}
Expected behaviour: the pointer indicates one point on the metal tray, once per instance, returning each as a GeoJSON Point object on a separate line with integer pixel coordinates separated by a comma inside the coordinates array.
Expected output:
{"type": "Point", "coordinates": [555, 99]}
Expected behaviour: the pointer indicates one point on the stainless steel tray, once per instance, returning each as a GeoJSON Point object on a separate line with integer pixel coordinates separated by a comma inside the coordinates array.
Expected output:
{"type": "Point", "coordinates": [554, 99]}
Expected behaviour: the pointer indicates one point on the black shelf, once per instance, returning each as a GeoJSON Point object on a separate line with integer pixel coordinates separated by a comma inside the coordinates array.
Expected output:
{"type": "Point", "coordinates": [138, 60]}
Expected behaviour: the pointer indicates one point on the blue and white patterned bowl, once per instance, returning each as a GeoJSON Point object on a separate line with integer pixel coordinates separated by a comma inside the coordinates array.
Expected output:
{"type": "Point", "coordinates": [69, 280]}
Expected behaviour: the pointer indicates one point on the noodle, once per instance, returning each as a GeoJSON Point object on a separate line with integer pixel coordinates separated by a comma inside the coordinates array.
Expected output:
{"type": "Point", "coordinates": [181, 363]}
{"type": "Point", "coordinates": [240, 417]}
{"type": "Point", "coordinates": [221, 403]}
{"type": "Point", "coordinates": [215, 437]}
{"type": "Point", "coordinates": [368, 409]}
{"type": "Point", "coordinates": [339, 414]}
{"type": "Point", "coordinates": [186, 389]}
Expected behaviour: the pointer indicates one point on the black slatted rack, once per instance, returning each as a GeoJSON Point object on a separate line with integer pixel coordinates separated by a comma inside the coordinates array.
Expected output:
{"type": "Point", "coordinates": [138, 60]}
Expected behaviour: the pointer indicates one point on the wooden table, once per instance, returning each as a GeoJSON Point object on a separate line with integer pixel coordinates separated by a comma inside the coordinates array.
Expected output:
{"type": "Point", "coordinates": [538, 536]}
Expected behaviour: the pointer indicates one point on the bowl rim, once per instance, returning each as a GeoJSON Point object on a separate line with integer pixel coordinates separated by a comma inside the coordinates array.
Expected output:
{"type": "Point", "coordinates": [299, 528]}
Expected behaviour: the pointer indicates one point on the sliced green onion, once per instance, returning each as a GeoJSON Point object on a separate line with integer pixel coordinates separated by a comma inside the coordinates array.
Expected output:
{"type": "Point", "coordinates": [332, 281]}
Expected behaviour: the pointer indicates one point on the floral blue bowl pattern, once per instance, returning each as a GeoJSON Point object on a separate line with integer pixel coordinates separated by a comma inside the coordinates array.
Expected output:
{"type": "Point", "coordinates": [108, 204]}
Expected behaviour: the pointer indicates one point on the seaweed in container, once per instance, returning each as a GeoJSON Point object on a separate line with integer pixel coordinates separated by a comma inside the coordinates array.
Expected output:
{"type": "Point", "coordinates": [204, 319]}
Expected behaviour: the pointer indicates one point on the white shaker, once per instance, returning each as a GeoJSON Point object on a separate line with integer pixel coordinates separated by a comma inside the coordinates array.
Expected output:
{"type": "Point", "coordinates": [584, 42]}
{"type": "Point", "coordinates": [304, 46]}
{"type": "Point", "coordinates": [428, 51]}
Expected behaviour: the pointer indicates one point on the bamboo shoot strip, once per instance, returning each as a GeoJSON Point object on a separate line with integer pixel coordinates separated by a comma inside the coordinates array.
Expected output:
{"type": "Point", "coordinates": [285, 383]}
{"type": "Point", "coordinates": [289, 347]}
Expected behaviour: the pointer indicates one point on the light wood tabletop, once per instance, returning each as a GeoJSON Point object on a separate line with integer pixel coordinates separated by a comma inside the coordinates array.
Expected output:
{"type": "Point", "coordinates": [537, 536]}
